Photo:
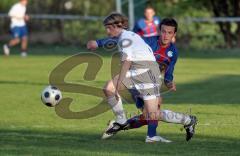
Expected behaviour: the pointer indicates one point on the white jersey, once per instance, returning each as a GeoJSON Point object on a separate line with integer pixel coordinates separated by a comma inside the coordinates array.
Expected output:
{"type": "Point", "coordinates": [134, 47]}
{"type": "Point", "coordinates": [17, 13]}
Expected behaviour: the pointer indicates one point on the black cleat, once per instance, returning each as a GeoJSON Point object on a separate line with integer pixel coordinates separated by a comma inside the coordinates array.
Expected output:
{"type": "Point", "coordinates": [190, 128]}
{"type": "Point", "coordinates": [113, 128]}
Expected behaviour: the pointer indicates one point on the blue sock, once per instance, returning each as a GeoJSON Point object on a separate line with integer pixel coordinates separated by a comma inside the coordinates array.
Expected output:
{"type": "Point", "coordinates": [152, 128]}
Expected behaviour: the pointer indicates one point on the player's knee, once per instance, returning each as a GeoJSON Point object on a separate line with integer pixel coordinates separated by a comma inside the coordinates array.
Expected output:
{"type": "Point", "coordinates": [108, 88]}
{"type": "Point", "coordinates": [24, 39]}
{"type": "Point", "coordinates": [16, 40]}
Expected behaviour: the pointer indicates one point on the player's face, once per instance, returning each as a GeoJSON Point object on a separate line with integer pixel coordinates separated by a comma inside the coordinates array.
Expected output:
{"type": "Point", "coordinates": [112, 31]}
{"type": "Point", "coordinates": [149, 13]}
{"type": "Point", "coordinates": [24, 2]}
{"type": "Point", "coordinates": [167, 33]}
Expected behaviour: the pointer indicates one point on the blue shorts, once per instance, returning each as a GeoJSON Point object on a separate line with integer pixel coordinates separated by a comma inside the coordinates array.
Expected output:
{"type": "Point", "coordinates": [19, 32]}
{"type": "Point", "coordinates": [136, 98]}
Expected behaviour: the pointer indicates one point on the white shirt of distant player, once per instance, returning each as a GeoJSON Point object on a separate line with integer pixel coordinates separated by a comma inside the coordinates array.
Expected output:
{"type": "Point", "coordinates": [134, 47]}
{"type": "Point", "coordinates": [17, 13]}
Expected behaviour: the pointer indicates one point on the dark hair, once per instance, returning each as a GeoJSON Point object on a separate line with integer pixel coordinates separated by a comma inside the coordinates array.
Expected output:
{"type": "Point", "coordinates": [149, 7]}
{"type": "Point", "coordinates": [169, 22]}
{"type": "Point", "coordinates": [116, 19]}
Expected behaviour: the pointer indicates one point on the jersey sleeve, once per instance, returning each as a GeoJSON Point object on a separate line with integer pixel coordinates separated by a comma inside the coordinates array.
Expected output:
{"type": "Point", "coordinates": [137, 28]}
{"type": "Point", "coordinates": [107, 42]}
{"type": "Point", "coordinates": [152, 42]}
{"type": "Point", "coordinates": [168, 78]}
{"type": "Point", "coordinates": [127, 49]}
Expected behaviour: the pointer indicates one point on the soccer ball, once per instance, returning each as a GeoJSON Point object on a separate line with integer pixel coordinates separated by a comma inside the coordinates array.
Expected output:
{"type": "Point", "coordinates": [51, 96]}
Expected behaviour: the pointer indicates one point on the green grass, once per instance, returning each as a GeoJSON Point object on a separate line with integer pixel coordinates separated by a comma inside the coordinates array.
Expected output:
{"type": "Point", "coordinates": [207, 86]}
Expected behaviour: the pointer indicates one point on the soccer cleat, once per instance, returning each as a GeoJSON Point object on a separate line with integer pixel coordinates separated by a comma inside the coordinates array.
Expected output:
{"type": "Point", "coordinates": [23, 54]}
{"type": "Point", "coordinates": [190, 128]}
{"type": "Point", "coordinates": [6, 50]}
{"type": "Point", "coordinates": [156, 139]}
{"type": "Point", "coordinates": [113, 128]}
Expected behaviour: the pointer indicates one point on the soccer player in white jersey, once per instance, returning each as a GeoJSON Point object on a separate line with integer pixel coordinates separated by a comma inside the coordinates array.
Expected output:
{"type": "Point", "coordinates": [18, 28]}
{"type": "Point", "coordinates": [139, 70]}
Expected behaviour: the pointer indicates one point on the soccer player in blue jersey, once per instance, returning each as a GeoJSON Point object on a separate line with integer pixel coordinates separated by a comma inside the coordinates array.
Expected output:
{"type": "Point", "coordinates": [166, 55]}
{"type": "Point", "coordinates": [149, 25]}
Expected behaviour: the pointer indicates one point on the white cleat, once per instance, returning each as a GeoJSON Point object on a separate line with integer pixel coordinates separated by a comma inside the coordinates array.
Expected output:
{"type": "Point", "coordinates": [6, 50]}
{"type": "Point", "coordinates": [24, 54]}
{"type": "Point", "coordinates": [108, 135]}
{"type": "Point", "coordinates": [156, 139]}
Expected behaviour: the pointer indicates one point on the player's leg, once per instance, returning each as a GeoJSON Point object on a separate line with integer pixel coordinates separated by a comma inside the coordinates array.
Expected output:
{"type": "Point", "coordinates": [116, 106]}
{"type": "Point", "coordinates": [24, 45]}
{"type": "Point", "coordinates": [188, 121]}
{"type": "Point", "coordinates": [151, 115]}
{"type": "Point", "coordinates": [13, 42]}
{"type": "Point", "coordinates": [24, 42]}
{"type": "Point", "coordinates": [151, 111]}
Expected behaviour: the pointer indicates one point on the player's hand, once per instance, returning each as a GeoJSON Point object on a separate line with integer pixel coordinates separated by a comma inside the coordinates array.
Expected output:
{"type": "Point", "coordinates": [26, 17]}
{"type": "Point", "coordinates": [171, 86]}
{"type": "Point", "coordinates": [92, 45]}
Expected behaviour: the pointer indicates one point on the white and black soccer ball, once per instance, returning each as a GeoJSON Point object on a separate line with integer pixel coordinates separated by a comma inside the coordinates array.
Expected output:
{"type": "Point", "coordinates": [51, 96]}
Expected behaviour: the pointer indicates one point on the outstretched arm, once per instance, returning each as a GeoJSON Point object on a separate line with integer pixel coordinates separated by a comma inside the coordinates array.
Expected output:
{"type": "Point", "coordinates": [105, 42]}
{"type": "Point", "coordinates": [168, 78]}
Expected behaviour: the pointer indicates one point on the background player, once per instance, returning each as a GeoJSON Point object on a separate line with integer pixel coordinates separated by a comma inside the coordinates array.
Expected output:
{"type": "Point", "coordinates": [18, 28]}
{"type": "Point", "coordinates": [149, 25]}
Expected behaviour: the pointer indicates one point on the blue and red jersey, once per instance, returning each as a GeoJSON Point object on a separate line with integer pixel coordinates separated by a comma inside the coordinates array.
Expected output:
{"type": "Point", "coordinates": [166, 58]}
{"type": "Point", "coordinates": [147, 29]}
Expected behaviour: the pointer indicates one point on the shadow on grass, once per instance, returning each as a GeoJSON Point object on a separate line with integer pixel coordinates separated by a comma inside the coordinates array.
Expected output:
{"type": "Point", "coordinates": [215, 90]}
{"type": "Point", "coordinates": [89, 143]}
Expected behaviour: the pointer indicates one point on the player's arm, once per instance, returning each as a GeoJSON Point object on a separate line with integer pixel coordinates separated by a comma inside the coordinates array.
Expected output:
{"type": "Point", "coordinates": [105, 42]}
{"type": "Point", "coordinates": [126, 63]}
{"type": "Point", "coordinates": [152, 42]}
{"type": "Point", "coordinates": [137, 29]}
{"type": "Point", "coordinates": [168, 78]}
{"type": "Point", "coordinates": [124, 68]}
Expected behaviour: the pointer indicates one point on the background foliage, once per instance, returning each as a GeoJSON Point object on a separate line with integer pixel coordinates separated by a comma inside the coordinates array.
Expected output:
{"type": "Point", "coordinates": [191, 34]}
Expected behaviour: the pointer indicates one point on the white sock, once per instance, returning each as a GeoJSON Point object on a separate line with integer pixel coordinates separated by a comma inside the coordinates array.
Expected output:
{"type": "Point", "coordinates": [117, 108]}
{"type": "Point", "coordinates": [173, 117]}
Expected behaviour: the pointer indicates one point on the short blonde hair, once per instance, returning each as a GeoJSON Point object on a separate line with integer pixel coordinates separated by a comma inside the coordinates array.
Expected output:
{"type": "Point", "coordinates": [116, 19]}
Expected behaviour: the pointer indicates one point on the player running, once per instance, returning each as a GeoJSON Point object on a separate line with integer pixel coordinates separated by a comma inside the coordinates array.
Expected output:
{"type": "Point", "coordinates": [18, 28]}
{"type": "Point", "coordinates": [166, 56]}
{"type": "Point", "coordinates": [139, 70]}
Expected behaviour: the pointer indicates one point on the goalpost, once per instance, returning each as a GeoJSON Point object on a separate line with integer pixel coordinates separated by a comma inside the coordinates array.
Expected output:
{"type": "Point", "coordinates": [128, 7]}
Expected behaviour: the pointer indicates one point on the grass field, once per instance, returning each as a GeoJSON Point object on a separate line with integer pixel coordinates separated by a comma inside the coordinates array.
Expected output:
{"type": "Point", "coordinates": [207, 86]}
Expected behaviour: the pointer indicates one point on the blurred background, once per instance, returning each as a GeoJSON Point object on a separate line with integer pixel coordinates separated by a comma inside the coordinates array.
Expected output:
{"type": "Point", "coordinates": [206, 23]}
{"type": "Point", "coordinates": [207, 76]}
